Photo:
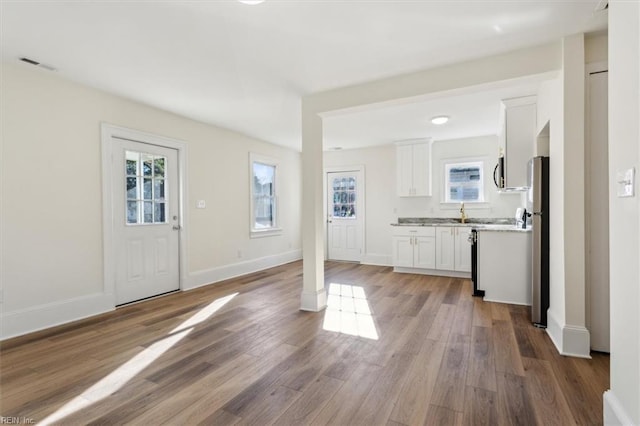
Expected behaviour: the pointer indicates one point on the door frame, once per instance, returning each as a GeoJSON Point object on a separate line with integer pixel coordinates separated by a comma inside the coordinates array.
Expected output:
{"type": "Point", "coordinates": [325, 194]}
{"type": "Point", "coordinates": [108, 133]}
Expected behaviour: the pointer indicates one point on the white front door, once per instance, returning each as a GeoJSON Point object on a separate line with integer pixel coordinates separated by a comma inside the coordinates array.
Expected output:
{"type": "Point", "coordinates": [145, 219]}
{"type": "Point", "coordinates": [345, 214]}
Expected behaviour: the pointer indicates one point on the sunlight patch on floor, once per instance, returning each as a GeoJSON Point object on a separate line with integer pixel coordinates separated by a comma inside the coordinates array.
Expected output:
{"type": "Point", "coordinates": [127, 371]}
{"type": "Point", "coordinates": [348, 312]}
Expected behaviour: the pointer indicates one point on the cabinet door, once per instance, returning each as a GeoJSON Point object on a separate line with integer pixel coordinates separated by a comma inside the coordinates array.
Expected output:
{"type": "Point", "coordinates": [404, 170]}
{"type": "Point", "coordinates": [421, 172]}
{"type": "Point", "coordinates": [520, 131]}
{"type": "Point", "coordinates": [463, 250]}
{"type": "Point", "coordinates": [424, 252]}
{"type": "Point", "coordinates": [403, 251]}
{"type": "Point", "coordinates": [445, 245]}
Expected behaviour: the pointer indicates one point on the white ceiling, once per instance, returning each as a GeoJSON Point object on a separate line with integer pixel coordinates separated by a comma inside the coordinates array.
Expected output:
{"type": "Point", "coordinates": [246, 67]}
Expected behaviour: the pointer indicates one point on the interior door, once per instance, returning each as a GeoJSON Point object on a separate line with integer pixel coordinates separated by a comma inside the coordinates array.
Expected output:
{"type": "Point", "coordinates": [146, 223]}
{"type": "Point", "coordinates": [344, 216]}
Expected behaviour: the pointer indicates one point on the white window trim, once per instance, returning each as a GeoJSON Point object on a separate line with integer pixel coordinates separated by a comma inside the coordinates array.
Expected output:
{"type": "Point", "coordinates": [277, 230]}
{"type": "Point", "coordinates": [446, 163]}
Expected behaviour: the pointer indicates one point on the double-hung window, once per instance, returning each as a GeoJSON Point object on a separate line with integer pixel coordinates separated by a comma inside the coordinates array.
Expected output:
{"type": "Point", "coordinates": [464, 182]}
{"type": "Point", "coordinates": [264, 196]}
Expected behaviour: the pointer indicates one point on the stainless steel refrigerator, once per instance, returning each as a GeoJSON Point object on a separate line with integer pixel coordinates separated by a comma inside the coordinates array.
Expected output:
{"type": "Point", "coordinates": [538, 206]}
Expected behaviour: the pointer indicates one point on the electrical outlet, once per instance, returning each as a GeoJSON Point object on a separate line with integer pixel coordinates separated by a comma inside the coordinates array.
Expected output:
{"type": "Point", "coordinates": [239, 254]}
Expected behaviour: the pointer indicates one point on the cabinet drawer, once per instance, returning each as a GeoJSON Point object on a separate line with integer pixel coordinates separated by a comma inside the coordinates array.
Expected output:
{"type": "Point", "coordinates": [415, 231]}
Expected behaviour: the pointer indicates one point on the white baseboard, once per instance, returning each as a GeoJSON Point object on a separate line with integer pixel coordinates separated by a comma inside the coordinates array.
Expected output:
{"type": "Point", "coordinates": [614, 413]}
{"type": "Point", "coordinates": [554, 330]}
{"type": "Point", "coordinates": [437, 272]}
{"type": "Point", "coordinates": [23, 321]}
{"type": "Point", "coordinates": [576, 341]}
{"type": "Point", "coordinates": [210, 276]}
{"type": "Point", "coordinates": [377, 260]}
{"type": "Point", "coordinates": [19, 322]}
{"type": "Point", "coordinates": [313, 301]}
{"type": "Point", "coordinates": [570, 340]}
{"type": "Point", "coordinates": [510, 302]}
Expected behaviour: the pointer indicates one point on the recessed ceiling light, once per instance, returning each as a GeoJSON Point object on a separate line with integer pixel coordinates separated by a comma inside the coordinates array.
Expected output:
{"type": "Point", "coordinates": [440, 119]}
{"type": "Point", "coordinates": [251, 2]}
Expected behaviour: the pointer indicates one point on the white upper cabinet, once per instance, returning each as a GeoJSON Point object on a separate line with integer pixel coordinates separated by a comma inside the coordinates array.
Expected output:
{"type": "Point", "coordinates": [413, 168]}
{"type": "Point", "coordinates": [518, 139]}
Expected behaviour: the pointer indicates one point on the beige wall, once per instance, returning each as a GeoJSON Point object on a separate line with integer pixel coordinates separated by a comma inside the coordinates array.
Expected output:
{"type": "Point", "coordinates": [622, 403]}
{"type": "Point", "coordinates": [51, 190]}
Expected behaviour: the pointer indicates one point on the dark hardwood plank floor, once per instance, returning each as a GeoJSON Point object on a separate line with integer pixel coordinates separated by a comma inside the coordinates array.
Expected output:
{"type": "Point", "coordinates": [394, 349]}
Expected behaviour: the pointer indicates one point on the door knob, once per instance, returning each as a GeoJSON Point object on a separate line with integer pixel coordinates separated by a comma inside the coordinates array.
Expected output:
{"type": "Point", "coordinates": [177, 227]}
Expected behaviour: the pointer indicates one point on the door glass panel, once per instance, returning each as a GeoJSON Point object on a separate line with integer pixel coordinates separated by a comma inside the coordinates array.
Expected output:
{"type": "Point", "coordinates": [145, 188]}
{"type": "Point", "coordinates": [159, 212]}
{"type": "Point", "coordinates": [148, 212]}
{"type": "Point", "coordinates": [344, 197]}
{"type": "Point", "coordinates": [132, 212]}
{"type": "Point", "coordinates": [158, 167]}
{"type": "Point", "coordinates": [132, 188]}
{"type": "Point", "coordinates": [146, 167]}
{"type": "Point", "coordinates": [158, 190]}
{"type": "Point", "coordinates": [132, 167]}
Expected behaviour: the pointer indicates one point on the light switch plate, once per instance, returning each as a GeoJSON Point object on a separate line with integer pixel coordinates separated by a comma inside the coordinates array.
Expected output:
{"type": "Point", "coordinates": [201, 204]}
{"type": "Point", "coordinates": [625, 183]}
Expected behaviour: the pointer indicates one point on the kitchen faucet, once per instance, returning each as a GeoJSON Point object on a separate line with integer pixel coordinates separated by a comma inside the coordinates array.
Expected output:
{"type": "Point", "coordinates": [463, 216]}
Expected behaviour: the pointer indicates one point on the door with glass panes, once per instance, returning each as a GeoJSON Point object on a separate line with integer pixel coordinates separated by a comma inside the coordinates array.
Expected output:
{"type": "Point", "coordinates": [344, 216]}
{"type": "Point", "coordinates": [146, 222]}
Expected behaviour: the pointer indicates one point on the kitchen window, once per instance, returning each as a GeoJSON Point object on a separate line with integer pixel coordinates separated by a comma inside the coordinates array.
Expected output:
{"type": "Point", "coordinates": [464, 182]}
{"type": "Point", "coordinates": [264, 196]}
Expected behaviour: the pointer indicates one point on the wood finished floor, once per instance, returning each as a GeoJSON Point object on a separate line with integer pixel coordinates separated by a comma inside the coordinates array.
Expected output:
{"type": "Point", "coordinates": [442, 357]}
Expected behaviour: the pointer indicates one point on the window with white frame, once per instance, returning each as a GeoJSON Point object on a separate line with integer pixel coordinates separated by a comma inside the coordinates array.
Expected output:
{"type": "Point", "coordinates": [464, 182]}
{"type": "Point", "coordinates": [264, 196]}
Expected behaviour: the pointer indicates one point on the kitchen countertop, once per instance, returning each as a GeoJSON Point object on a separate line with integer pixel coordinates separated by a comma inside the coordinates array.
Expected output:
{"type": "Point", "coordinates": [485, 224]}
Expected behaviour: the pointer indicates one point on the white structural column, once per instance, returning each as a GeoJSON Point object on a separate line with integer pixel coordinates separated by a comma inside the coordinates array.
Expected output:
{"type": "Point", "coordinates": [314, 296]}
{"type": "Point", "coordinates": [575, 339]}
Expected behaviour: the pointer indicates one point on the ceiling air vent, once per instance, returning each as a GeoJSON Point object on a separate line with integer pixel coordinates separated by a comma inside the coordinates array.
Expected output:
{"type": "Point", "coordinates": [38, 64]}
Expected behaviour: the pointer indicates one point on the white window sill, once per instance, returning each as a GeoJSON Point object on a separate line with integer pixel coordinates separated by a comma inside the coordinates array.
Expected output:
{"type": "Point", "coordinates": [271, 232]}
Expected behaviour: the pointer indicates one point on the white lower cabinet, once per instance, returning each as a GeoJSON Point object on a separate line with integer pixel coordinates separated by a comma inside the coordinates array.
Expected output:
{"type": "Point", "coordinates": [424, 252]}
{"type": "Point", "coordinates": [414, 247]}
{"type": "Point", "coordinates": [504, 266]}
{"type": "Point", "coordinates": [453, 252]}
